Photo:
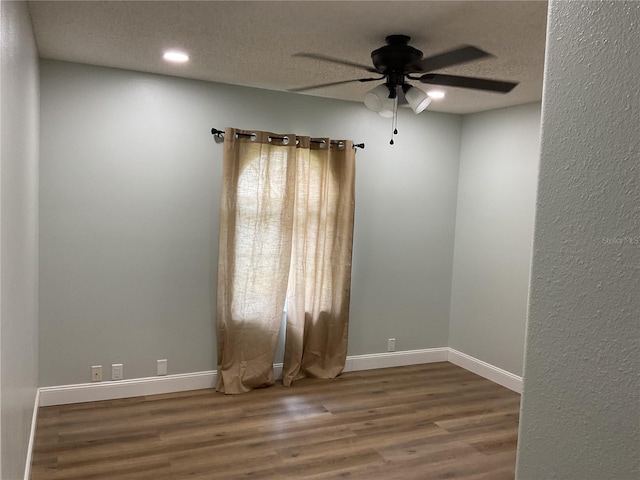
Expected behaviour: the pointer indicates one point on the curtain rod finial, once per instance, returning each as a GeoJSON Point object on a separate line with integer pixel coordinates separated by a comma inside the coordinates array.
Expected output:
{"type": "Point", "coordinates": [218, 135]}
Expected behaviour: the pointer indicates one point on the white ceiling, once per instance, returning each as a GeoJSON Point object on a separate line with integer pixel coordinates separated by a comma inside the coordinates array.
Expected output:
{"type": "Point", "coordinates": [253, 43]}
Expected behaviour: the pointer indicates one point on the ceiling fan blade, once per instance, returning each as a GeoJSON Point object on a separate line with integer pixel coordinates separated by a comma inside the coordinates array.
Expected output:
{"type": "Point", "coordinates": [460, 55]}
{"type": "Point", "coordinates": [330, 84]}
{"type": "Point", "coordinates": [326, 58]}
{"type": "Point", "coordinates": [468, 82]}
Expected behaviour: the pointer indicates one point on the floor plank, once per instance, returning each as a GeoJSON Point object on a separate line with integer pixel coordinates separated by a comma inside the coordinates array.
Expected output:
{"type": "Point", "coordinates": [426, 422]}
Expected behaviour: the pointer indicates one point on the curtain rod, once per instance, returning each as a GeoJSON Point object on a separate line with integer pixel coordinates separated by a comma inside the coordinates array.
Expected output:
{"type": "Point", "coordinates": [220, 134]}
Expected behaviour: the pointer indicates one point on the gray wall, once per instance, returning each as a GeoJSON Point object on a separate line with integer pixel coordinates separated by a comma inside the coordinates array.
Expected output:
{"type": "Point", "coordinates": [18, 236]}
{"type": "Point", "coordinates": [494, 232]}
{"type": "Point", "coordinates": [130, 187]}
{"type": "Point", "coordinates": [580, 408]}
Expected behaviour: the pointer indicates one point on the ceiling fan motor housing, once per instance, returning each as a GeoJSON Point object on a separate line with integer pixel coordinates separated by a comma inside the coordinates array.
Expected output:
{"type": "Point", "coordinates": [397, 56]}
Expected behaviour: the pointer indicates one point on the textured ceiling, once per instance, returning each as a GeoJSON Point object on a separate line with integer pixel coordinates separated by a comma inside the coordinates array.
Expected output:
{"type": "Point", "coordinates": [253, 43]}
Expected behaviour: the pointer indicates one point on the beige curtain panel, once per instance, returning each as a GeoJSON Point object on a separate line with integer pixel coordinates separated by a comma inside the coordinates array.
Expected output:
{"type": "Point", "coordinates": [320, 273]}
{"type": "Point", "coordinates": [286, 235]}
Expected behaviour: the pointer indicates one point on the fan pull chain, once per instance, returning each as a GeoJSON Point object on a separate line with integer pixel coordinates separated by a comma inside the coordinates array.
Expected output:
{"type": "Point", "coordinates": [395, 117]}
{"type": "Point", "coordinates": [394, 120]}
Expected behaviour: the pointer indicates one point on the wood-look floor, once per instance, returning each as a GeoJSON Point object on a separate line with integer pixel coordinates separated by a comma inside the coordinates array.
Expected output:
{"type": "Point", "coordinates": [433, 421]}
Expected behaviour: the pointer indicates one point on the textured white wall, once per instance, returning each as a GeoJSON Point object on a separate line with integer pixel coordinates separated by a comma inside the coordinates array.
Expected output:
{"type": "Point", "coordinates": [494, 233]}
{"type": "Point", "coordinates": [18, 237]}
{"type": "Point", "coordinates": [130, 191]}
{"type": "Point", "coordinates": [581, 408]}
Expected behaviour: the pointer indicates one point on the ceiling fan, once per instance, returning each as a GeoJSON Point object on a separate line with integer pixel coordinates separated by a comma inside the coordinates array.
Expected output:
{"type": "Point", "coordinates": [397, 62]}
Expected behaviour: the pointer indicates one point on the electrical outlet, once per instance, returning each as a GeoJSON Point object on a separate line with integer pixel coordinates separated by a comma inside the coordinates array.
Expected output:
{"type": "Point", "coordinates": [96, 373]}
{"type": "Point", "coordinates": [391, 345]}
{"type": "Point", "coordinates": [116, 371]}
{"type": "Point", "coordinates": [162, 367]}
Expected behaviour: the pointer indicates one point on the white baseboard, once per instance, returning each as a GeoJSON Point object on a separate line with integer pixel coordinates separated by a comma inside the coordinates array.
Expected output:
{"type": "Point", "coordinates": [135, 387]}
{"type": "Point", "coordinates": [486, 370]}
{"type": "Point", "coordinates": [32, 436]}
{"type": "Point", "coordinates": [395, 359]}
{"type": "Point", "coordinates": [91, 392]}
{"type": "Point", "coordinates": [277, 370]}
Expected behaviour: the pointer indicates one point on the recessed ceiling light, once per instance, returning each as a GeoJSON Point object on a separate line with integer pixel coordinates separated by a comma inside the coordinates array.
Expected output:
{"type": "Point", "coordinates": [436, 94]}
{"type": "Point", "coordinates": [175, 56]}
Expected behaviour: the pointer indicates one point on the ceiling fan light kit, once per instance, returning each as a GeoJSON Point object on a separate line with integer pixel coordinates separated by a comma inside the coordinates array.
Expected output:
{"type": "Point", "coordinates": [388, 109]}
{"type": "Point", "coordinates": [418, 99]}
{"type": "Point", "coordinates": [381, 100]}
{"type": "Point", "coordinates": [397, 62]}
{"type": "Point", "coordinates": [375, 98]}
